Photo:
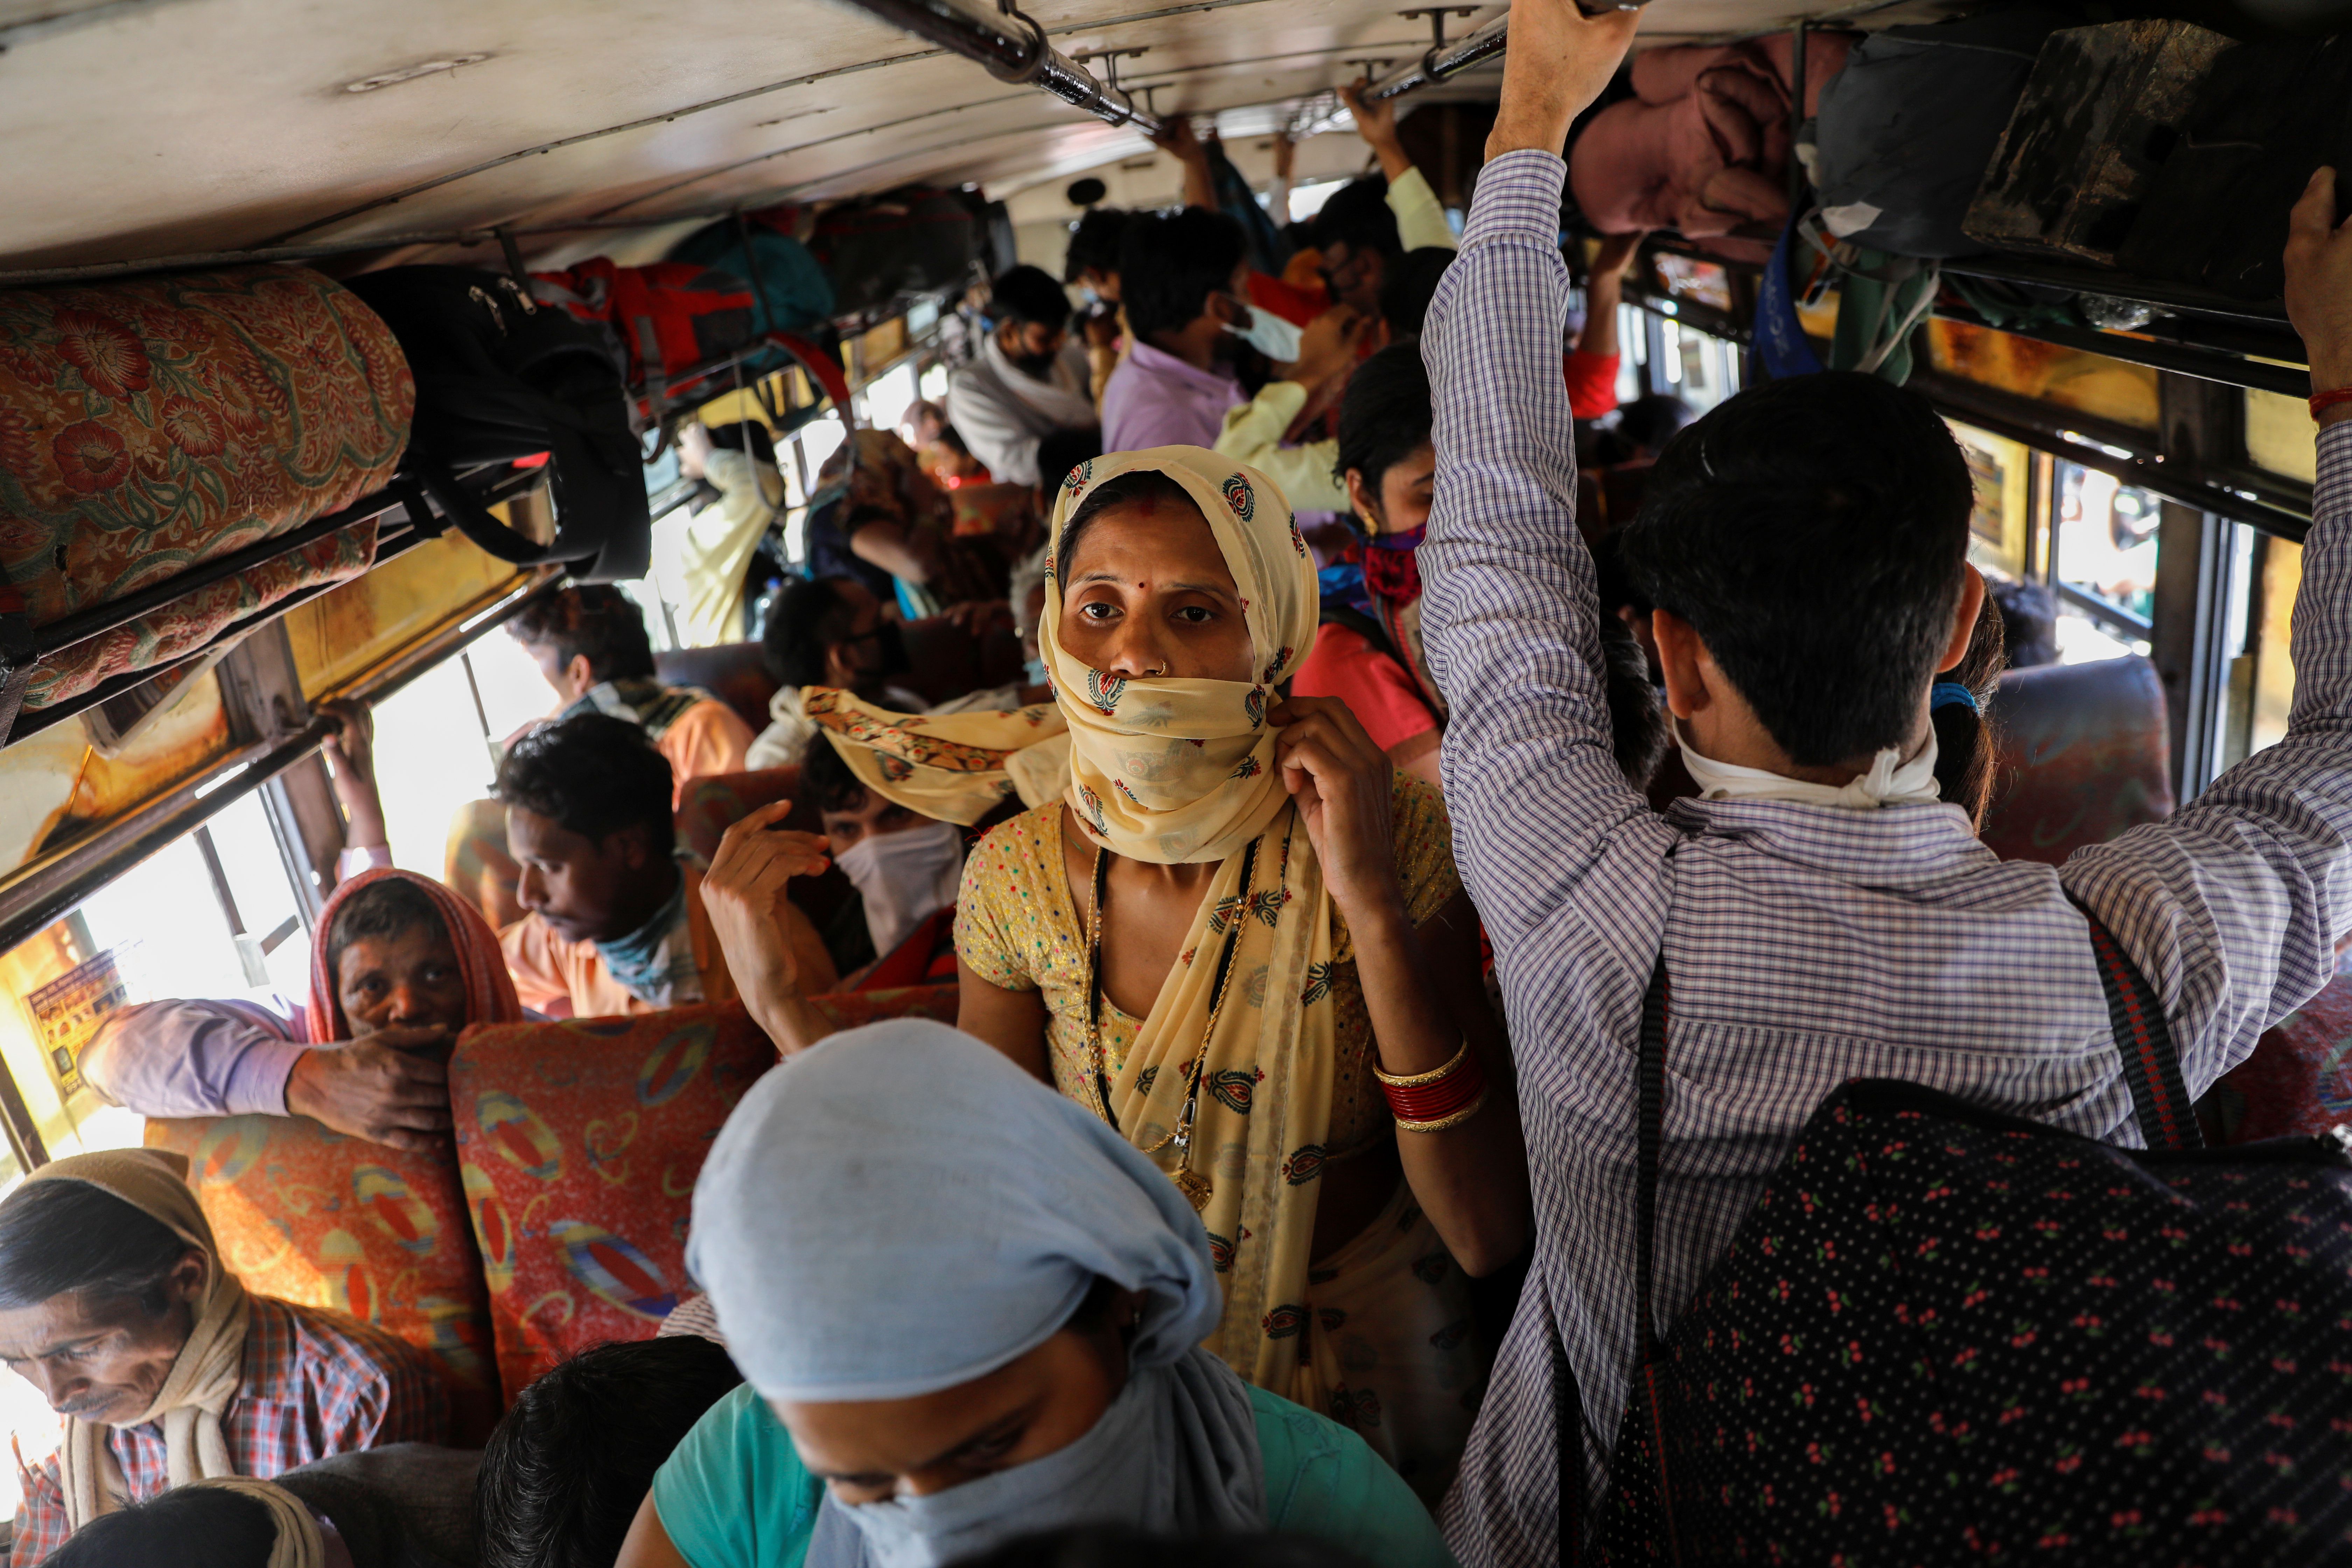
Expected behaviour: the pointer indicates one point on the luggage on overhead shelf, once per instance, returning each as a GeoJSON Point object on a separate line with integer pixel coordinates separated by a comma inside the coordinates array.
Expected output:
{"type": "Point", "coordinates": [790, 292]}
{"type": "Point", "coordinates": [1907, 129]}
{"type": "Point", "coordinates": [149, 426]}
{"type": "Point", "coordinates": [1947, 1332]}
{"type": "Point", "coordinates": [501, 377]}
{"type": "Point", "coordinates": [2267, 115]}
{"type": "Point", "coordinates": [2083, 145]}
{"type": "Point", "coordinates": [667, 317]}
{"type": "Point", "coordinates": [907, 242]}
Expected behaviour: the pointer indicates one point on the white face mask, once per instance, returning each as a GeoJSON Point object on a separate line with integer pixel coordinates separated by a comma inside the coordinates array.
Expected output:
{"type": "Point", "coordinates": [1272, 336]}
{"type": "Point", "coordinates": [903, 876]}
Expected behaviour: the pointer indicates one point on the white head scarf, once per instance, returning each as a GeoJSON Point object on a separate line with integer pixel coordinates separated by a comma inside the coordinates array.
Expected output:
{"type": "Point", "coordinates": [901, 1210]}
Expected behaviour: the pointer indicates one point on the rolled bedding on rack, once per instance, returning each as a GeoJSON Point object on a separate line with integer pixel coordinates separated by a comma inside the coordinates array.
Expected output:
{"type": "Point", "coordinates": [147, 427]}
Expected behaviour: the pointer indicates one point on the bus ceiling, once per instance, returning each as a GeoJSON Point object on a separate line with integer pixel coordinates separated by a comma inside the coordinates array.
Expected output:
{"type": "Point", "coordinates": [413, 132]}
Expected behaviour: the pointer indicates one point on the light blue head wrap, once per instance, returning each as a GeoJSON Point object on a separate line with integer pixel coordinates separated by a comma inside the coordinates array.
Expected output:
{"type": "Point", "coordinates": [901, 1209]}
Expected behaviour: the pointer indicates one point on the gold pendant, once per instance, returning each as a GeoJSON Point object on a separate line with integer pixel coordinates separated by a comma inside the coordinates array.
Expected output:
{"type": "Point", "coordinates": [1196, 1189]}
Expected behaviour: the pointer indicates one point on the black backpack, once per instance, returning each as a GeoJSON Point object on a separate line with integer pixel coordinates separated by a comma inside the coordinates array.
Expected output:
{"type": "Point", "coordinates": [1946, 1333]}
{"type": "Point", "coordinates": [499, 377]}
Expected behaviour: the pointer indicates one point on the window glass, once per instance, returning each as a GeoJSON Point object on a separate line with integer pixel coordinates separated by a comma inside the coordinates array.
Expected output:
{"type": "Point", "coordinates": [2103, 564]}
{"type": "Point", "coordinates": [433, 754]}
{"type": "Point", "coordinates": [2258, 684]}
{"type": "Point", "coordinates": [934, 382]}
{"type": "Point", "coordinates": [887, 396]}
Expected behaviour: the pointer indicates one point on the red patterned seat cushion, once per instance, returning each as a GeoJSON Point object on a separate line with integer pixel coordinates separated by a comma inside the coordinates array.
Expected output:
{"type": "Point", "coordinates": [2084, 754]}
{"type": "Point", "coordinates": [2298, 1082]}
{"type": "Point", "coordinates": [147, 427]}
{"type": "Point", "coordinates": [322, 1220]}
{"type": "Point", "coordinates": [580, 1144]}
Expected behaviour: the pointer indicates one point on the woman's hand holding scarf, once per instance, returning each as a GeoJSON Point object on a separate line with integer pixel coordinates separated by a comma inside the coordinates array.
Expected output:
{"type": "Point", "coordinates": [1344, 786]}
{"type": "Point", "coordinates": [744, 893]}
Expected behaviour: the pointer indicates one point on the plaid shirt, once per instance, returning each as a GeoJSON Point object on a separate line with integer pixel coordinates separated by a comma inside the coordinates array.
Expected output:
{"type": "Point", "coordinates": [1807, 946]}
{"type": "Point", "coordinates": [316, 1384]}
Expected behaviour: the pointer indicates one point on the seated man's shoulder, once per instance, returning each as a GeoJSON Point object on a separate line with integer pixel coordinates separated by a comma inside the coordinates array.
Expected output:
{"type": "Point", "coordinates": [324, 1347]}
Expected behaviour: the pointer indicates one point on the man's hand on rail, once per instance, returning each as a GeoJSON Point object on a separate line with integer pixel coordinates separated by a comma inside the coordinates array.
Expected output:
{"type": "Point", "coordinates": [1558, 62]}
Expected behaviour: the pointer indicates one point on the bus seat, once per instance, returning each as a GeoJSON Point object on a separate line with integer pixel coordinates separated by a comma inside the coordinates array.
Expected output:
{"type": "Point", "coordinates": [946, 661]}
{"type": "Point", "coordinates": [2084, 754]}
{"type": "Point", "coordinates": [322, 1220]}
{"type": "Point", "coordinates": [478, 867]}
{"type": "Point", "coordinates": [580, 1144]}
{"type": "Point", "coordinates": [2298, 1081]}
{"type": "Point", "coordinates": [709, 806]}
{"type": "Point", "coordinates": [733, 672]}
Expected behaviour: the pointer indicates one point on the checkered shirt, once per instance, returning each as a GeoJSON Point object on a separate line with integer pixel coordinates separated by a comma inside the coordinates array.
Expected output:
{"type": "Point", "coordinates": [1808, 944]}
{"type": "Point", "coordinates": [316, 1384]}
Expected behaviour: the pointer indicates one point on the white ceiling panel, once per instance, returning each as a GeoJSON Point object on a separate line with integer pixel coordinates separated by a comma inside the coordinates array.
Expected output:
{"type": "Point", "coordinates": [262, 123]}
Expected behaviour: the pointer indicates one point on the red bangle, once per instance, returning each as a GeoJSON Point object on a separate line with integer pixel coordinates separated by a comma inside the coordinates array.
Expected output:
{"type": "Point", "coordinates": [1438, 1097]}
{"type": "Point", "coordinates": [2323, 401]}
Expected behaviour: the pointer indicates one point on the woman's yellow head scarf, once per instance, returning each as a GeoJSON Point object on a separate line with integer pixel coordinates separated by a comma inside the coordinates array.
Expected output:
{"type": "Point", "coordinates": [1171, 771]}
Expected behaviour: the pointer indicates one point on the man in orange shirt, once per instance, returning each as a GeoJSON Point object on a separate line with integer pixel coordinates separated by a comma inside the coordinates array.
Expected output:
{"type": "Point", "coordinates": [616, 922]}
{"type": "Point", "coordinates": [591, 643]}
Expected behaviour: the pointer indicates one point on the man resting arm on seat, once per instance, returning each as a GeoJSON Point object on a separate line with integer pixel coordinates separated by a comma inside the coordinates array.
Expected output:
{"type": "Point", "coordinates": [400, 966]}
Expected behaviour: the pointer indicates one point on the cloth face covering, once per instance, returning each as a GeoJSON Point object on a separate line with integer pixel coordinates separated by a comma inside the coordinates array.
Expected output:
{"type": "Point", "coordinates": [489, 989]}
{"type": "Point", "coordinates": [1170, 770]}
{"type": "Point", "coordinates": [1272, 336]}
{"type": "Point", "coordinates": [1891, 781]}
{"type": "Point", "coordinates": [846, 1186]}
{"type": "Point", "coordinates": [205, 1378]}
{"type": "Point", "coordinates": [903, 876]}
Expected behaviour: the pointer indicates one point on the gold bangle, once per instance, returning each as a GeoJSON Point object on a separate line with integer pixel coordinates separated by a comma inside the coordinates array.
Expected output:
{"type": "Point", "coordinates": [1444, 1122]}
{"type": "Point", "coordinates": [1414, 1080]}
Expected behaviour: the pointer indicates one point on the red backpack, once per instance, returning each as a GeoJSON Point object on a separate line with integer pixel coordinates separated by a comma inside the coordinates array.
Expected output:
{"type": "Point", "coordinates": [670, 317]}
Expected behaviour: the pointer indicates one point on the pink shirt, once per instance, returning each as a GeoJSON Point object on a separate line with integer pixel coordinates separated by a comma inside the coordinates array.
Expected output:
{"type": "Point", "coordinates": [1376, 689]}
{"type": "Point", "coordinates": [1154, 399]}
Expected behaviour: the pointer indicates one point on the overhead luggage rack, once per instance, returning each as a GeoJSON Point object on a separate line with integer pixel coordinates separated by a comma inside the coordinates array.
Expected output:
{"type": "Point", "coordinates": [72, 630]}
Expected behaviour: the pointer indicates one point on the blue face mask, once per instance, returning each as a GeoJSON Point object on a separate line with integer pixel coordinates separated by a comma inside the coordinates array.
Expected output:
{"type": "Point", "coordinates": [1272, 336]}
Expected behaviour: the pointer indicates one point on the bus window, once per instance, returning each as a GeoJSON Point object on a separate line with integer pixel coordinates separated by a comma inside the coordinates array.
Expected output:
{"type": "Point", "coordinates": [2103, 564]}
{"type": "Point", "coordinates": [2258, 676]}
{"type": "Point", "coordinates": [437, 743]}
{"type": "Point", "coordinates": [886, 397]}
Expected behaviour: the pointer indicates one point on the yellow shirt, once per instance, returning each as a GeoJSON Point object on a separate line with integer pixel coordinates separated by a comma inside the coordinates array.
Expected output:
{"type": "Point", "coordinates": [1016, 928]}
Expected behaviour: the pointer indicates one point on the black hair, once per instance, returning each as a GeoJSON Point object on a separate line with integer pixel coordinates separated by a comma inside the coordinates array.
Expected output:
{"type": "Point", "coordinates": [594, 775]}
{"type": "Point", "coordinates": [65, 1237]}
{"type": "Point", "coordinates": [596, 620]}
{"type": "Point", "coordinates": [1169, 263]}
{"type": "Point", "coordinates": [1651, 422]}
{"type": "Point", "coordinates": [1964, 738]}
{"type": "Point", "coordinates": [1063, 450]}
{"type": "Point", "coordinates": [949, 437]}
{"type": "Point", "coordinates": [187, 1527]}
{"type": "Point", "coordinates": [1811, 532]}
{"type": "Point", "coordinates": [1358, 216]}
{"type": "Point", "coordinates": [1385, 415]}
{"type": "Point", "coordinates": [568, 1467]}
{"type": "Point", "coordinates": [1637, 719]}
{"type": "Point", "coordinates": [808, 617]}
{"type": "Point", "coordinates": [1094, 243]}
{"type": "Point", "coordinates": [1028, 294]}
{"type": "Point", "coordinates": [1136, 485]}
{"type": "Point", "coordinates": [828, 781]}
{"type": "Point", "coordinates": [1408, 288]}
{"type": "Point", "coordinates": [744, 435]}
{"type": "Point", "coordinates": [390, 907]}
{"type": "Point", "coordinates": [1124, 1546]}
{"type": "Point", "coordinates": [2029, 622]}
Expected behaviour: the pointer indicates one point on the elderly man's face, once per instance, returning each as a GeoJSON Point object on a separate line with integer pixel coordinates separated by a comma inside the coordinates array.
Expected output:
{"type": "Point", "coordinates": [103, 1359]}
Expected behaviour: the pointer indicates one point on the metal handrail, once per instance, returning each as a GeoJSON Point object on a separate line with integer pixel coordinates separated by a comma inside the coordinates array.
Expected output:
{"type": "Point", "coordinates": [1014, 48]}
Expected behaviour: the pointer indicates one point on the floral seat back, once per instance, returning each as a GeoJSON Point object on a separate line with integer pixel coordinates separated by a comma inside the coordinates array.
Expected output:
{"type": "Point", "coordinates": [580, 1144]}
{"type": "Point", "coordinates": [323, 1220]}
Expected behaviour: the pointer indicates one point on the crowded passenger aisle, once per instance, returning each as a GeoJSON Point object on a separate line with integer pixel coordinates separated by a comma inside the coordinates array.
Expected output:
{"type": "Point", "coordinates": [904, 786]}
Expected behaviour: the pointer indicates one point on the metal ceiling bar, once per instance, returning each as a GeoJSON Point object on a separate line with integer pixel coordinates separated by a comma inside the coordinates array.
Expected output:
{"type": "Point", "coordinates": [1014, 48]}
{"type": "Point", "coordinates": [1437, 64]}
